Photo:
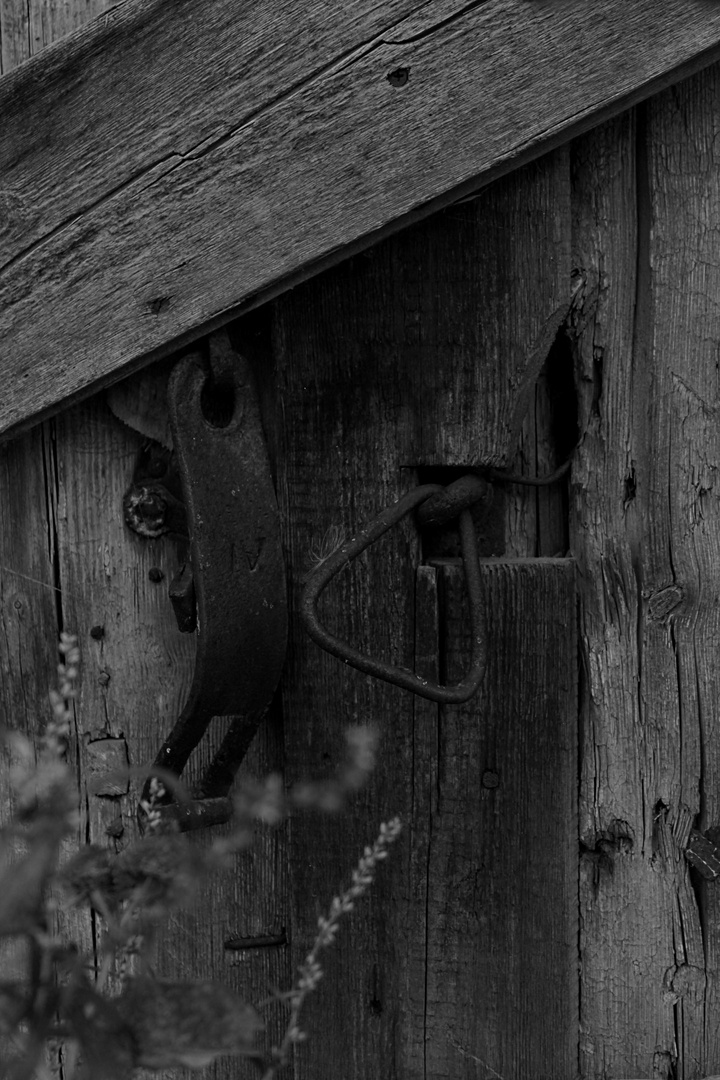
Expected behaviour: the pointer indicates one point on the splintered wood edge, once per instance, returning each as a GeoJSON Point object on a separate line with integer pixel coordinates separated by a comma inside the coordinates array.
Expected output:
{"type": "Point", "coordinates": [168, 235]}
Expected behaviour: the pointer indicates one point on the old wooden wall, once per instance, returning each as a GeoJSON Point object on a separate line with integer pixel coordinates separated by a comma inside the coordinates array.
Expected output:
{"type": "Point", "coordinates": [379, 385]}
{"type": "Point", "coordinates": [67, 561]}
{"type": "Point", "coordinates": [645, 532]}
{"type": "Point", "coordinates": [504, 938]}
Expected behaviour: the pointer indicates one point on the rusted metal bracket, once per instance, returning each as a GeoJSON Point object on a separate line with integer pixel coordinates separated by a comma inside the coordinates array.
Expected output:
{"type": "Point", "coordinates": [238, 575]}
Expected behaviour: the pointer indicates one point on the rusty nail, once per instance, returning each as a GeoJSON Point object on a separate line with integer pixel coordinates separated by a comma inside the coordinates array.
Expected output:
{"type": "Point", "coordinates": [97, 633]}
{"type": "Point", "coordinates": [399, 76]}
{"type": "Point", "coordinates": [262, 941]}
{"type": "Point", "coordinates": [155, 574]}
{"type": "Point", "coordinates": [146, 510]}
{"type": "Point", "coordinates": [490, 779]}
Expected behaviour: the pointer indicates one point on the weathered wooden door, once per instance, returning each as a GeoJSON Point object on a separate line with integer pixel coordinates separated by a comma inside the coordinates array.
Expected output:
{"type": "Point", "coordinates": [538, 917]}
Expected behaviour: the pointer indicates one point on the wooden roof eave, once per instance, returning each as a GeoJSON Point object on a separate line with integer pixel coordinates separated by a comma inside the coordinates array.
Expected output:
{"type": "Point", "coordinates": [173, 164]}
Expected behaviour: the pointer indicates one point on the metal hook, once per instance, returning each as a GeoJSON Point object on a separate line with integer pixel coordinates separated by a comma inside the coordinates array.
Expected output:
{"type": "Point", "coordinates": [408, 680]}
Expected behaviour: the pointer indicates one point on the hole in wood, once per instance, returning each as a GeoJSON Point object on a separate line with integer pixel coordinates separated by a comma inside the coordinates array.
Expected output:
{"type": "Point", "coordinates": [399, 76]}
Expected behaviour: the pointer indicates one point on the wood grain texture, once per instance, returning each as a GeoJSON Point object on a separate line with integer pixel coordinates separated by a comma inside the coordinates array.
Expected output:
{"type": "Point", "coordinates": [28, 584]}
{"type": "Point", "coordinates": [413, 1002]}
{"type": "Point", "coordinates": [405, 359]}
{"type": "Point", "coordinates": [31, 589]}
{"type": "Point", "coordinates": [645, 531]}
{"type": "Point", "coordinates": [136, 679]}
{"type": "Point", "coordinates": [626, 897]}
{"type": "Point", "coordinates": [172, 185]}
{"type": "Point", "coordinates": [502, 975]}
{"type": "Point", "coordinates": [67, 560]}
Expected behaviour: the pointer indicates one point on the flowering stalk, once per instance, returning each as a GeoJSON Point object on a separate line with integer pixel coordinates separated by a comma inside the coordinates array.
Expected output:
{"type": "Point", "coordinates": [61, 699]}
{"type": "Point", "coordinates": [310, 971]}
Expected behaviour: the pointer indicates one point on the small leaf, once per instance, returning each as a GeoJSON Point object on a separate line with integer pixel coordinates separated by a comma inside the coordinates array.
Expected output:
{"type": "Point", "coordinates": [23, 885]}
{"type": "Point", "coordinates": [162, 871]}
{"type": "Point", "coordinates": [186, 1024]}
{"type": "Point", "coordinates": [14, 1004]}
{"type": "Point", "coordinates": [88, 872]}
{"type": "Point", "coordinates": [106, 1042]}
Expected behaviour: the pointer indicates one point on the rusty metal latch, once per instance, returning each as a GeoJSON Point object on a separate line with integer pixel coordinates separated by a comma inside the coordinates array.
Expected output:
{"type": "Point", "coordinates": [238, 575]}
{"type": "Point", "coordinates": [436, 505]}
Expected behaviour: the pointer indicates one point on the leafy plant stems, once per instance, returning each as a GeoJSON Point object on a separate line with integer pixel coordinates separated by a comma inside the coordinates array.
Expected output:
{"type": "Point", "coordinates": [310, 971]}
{"type": "Point", "coordinates": [106, 1014]}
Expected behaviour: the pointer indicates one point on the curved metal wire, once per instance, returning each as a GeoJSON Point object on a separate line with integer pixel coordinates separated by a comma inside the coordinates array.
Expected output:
{"type": "Point", "coordinates": [318, 579]}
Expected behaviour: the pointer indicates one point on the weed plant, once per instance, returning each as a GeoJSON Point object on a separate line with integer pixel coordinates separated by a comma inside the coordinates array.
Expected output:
{"type": "Point", "coordinates": [108, 1011]}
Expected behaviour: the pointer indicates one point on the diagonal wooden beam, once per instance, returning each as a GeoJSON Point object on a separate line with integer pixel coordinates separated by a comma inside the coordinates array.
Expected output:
{"type": "Point", "coordinates": [174, 164]}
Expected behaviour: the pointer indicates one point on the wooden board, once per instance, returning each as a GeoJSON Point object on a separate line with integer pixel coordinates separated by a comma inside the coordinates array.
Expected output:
{"type": "Point", "coordinates": [502, 962]}
{"type": "Point", "coordinates": [158, 171]}
{"type": "Point", "coordinates": [644, 528]}
{"type": "Point", "coordinates": [135, 681]}
{"type": "Point", "coordinates": [31, 586]}
{"type": "Point", "coordinates": [378, 384]}
{"type": "Point", "coordinates": [68, 561]}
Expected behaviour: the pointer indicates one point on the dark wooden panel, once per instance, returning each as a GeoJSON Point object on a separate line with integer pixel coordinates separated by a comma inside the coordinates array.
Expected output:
{"type": "Point", "coordinates": [417, 924]}
{"type": "Point", "coordinates": [502, 963]}
{"type": "Point", "coordinates": [159, 170]}
{"type": "Point", "coordinates": [28, 596]}
{"type": "Point", "coordinates": [405, 359]}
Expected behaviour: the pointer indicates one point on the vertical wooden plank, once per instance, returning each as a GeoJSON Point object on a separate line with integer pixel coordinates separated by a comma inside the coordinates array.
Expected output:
{"type": "Point", "coordinates": [67, 560]}
{"type": "Point", "coordinates": [28, 639]}
{"type": "Point", "coordinates": [136, 666]}
{"type": "Point", "coordinates": [644, 532]}
{"type": "Point", "coordinates": [136, 678]}
{"type": "Point", "coordinates": [409, 357]}
{"type": "Point", "coordinates": [424, 764]}
{"type": "Point", "coordinates": [27, 26]}
{"type": "Point", "coordinates": [28, 594]}
{"type": "Point", "coordinates": [681, 580]}
{"type": "Point", "coordinates": [626, 921]}
{"type": "Point", "coordinates": [502, 920]}
{"type": "Point", "coordinates": [15, 43]}
{"type": "Point", "coordinates": [31, 588]}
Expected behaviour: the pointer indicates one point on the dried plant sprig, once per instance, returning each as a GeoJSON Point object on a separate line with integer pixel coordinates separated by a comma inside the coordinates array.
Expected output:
{"type": "Point", "coordinates": [131, 891]}
{"type": "Point", "coordinates": [58, 727]}
{"type": "Point", "coordinates": [43, 781]}
{"type": "Point", "coordinates": [151, 805]}
{"type": "Point", "coordinates": [310, 971]}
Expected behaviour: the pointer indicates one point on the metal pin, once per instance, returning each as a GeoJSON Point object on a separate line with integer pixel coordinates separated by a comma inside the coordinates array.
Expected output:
{"type": "Point", "coordinates": [264, 941]}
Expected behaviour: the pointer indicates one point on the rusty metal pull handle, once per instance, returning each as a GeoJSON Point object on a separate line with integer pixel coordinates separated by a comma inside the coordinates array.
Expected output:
{"type": "Point", "coordinates": [399, 676]}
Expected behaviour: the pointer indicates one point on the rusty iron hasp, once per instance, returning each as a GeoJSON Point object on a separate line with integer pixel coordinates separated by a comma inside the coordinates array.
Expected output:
{"type": "Point", "coordinates": [237, 564]}
{"type": "Point", "coordinates": [399, 676]}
